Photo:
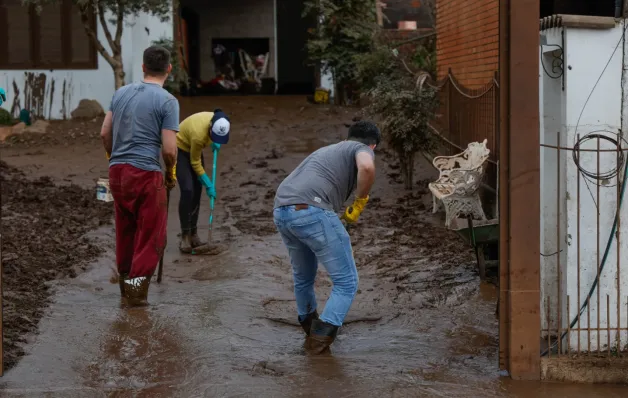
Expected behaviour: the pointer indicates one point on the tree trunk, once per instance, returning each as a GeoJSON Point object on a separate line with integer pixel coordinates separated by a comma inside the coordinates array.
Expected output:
{"type": "Point", "coordinates": [115, 58]}
{"type": "Point", "coordinates": [339, 94]}
{"type": "Point", "coordinates": [410, 172]}
{"type": "Point", "coordinates": [118, 75]}
{"type": "Point", "coordinates": [406, 163]}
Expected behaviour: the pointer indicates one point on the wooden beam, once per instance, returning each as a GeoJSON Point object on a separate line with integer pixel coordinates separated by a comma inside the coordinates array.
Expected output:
{"type": "Point", "coordinates": [504, 198]}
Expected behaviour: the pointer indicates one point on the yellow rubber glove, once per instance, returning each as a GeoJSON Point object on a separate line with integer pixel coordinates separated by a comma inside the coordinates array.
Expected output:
{"type": "Point", "coordinates": [171, 177]}
{"type": "Point", "coordinates": [107, 155]}
{"type": "Point", "coordinates": [352, 213]}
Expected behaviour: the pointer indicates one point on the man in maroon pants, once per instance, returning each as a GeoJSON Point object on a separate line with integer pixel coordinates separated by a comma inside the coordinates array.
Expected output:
{"type": "Point", "coordinates": [142, 121]}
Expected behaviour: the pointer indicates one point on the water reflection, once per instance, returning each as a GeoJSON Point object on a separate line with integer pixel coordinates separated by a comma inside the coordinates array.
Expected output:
{"type": "Point", "coordinates": [141, 353]}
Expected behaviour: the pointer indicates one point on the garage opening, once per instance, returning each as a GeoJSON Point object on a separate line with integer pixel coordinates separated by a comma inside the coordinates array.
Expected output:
{"type": "Point", "coordinates": [598, 8]}
{"type": "Point", "coordinates": [246, 47]}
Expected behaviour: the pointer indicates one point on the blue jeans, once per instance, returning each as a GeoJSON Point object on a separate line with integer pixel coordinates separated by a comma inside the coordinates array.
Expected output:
{"type": "Point", "coordinates": [315, 235]}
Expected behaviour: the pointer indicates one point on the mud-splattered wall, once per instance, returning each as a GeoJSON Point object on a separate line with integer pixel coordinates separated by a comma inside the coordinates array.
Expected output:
{"type": "Point", "coordinates": [54, 94]}
{"type": "Point", "coordinates": [48, 95]}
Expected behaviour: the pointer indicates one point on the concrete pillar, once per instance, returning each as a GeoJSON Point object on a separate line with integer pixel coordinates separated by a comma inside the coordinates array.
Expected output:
{"type": "Point", "coordinates": [519, 189]}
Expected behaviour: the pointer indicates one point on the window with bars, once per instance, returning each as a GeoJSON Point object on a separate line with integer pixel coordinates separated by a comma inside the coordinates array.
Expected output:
{"type": "Point", "coordinates": [52, 39]}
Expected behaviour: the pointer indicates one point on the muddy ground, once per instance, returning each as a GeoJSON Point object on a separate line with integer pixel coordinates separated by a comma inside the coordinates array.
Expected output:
{"type": "Point", "coordinates": [43, 229]}
{"type": "Point", "coordinates": [422, 325]}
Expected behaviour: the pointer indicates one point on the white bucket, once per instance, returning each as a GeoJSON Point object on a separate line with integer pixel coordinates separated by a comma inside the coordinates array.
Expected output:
{"type": "Point", "coordinates": [103, 192]}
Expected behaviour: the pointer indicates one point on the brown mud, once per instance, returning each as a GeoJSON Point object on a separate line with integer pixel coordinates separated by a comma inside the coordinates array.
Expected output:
{"type": "Point", "coordinates": [422, 325]}
{"type": "Point", "coordinates": [42, 240]}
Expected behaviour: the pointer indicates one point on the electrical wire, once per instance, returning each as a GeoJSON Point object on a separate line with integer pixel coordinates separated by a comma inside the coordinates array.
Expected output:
{"type": "Point", "coordinates": [619, 204]}
{"type": "Point", "coordinates": [597, 176]}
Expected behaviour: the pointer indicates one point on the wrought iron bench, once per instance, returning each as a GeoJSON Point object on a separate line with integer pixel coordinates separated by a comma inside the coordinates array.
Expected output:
{"type": "Point", "coordinates": [460, 177]}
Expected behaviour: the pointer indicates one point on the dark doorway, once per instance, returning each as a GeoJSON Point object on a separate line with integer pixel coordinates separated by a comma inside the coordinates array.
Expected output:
{"type": "Point", "coordinates": [252, 46]}
{"type": "Point", "coordinates": [597, 8]}
{"type": "Point", "coordinates": [293, 73]}
{"type": "Point", "coordinates": [192, 32]}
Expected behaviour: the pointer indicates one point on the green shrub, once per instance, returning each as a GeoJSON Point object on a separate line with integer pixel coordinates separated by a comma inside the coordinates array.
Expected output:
{"type": "Point", "coordinates": [400, 101]}
{"type": "Point", "coordinates": [5, 117]}
{"type": "Point", "coordinates": [178, 77]}
{"type": "Point", "coordinates": [344, 30]}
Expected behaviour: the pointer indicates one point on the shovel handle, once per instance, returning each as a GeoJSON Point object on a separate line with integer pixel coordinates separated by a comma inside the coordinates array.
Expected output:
{"type": "Point", "coordinates": [212, 200]}
{"type": "Point", "coordinates": [160, 270]}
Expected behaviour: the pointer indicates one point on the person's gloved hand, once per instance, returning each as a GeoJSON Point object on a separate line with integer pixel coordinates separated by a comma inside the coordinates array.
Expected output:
{"type": "Point", "coordinates": [215, 147]}
{"type": "Point", "coordinates": [171, 177]}
{"type": "Point", "coordinates": [352, 213]}
{"type": "Point", "coordinates": [209, 186]}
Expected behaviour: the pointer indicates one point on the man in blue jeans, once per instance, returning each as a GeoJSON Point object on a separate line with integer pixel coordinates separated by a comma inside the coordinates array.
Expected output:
{"type": "Point", "coordinates": [306, 204]}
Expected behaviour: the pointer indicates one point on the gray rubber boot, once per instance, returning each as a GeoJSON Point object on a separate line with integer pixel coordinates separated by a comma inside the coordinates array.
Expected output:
{"type": "Point", "coordinates": [185, 245]}
{"type": "Point", "coordinates": [195, 241]}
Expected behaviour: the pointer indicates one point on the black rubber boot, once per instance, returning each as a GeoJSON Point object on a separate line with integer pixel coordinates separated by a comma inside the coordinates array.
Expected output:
{"type": "Point", "coordinates": [121, 280]}
{"type": "Point", "coordinates": [322, 335]}
{"type": "Point", "coordinates": [306, 324]}
{"type": "Point", "coordinates": [136, 291]}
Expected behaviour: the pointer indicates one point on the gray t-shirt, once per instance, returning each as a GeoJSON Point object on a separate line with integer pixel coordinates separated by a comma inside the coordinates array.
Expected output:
{"type": "Point", "coordinates": [324, 179]}
{"type": "Point", "coordinates": [140, 112]}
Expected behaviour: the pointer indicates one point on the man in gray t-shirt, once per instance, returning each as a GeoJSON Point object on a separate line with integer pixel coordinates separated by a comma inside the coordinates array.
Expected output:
{"type": "Point", "coordinates": [306, 204]}
{"type": "Point", "coordinates": [141, 125]}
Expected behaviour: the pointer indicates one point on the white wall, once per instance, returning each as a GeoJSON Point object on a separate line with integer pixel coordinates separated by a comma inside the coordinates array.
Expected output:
{"type": "Point", "coordinates": [586, 55]}
{"type": "Point", "coordinates": [552, 206]}
{"type": "Point", "coordinates": [63, 89]}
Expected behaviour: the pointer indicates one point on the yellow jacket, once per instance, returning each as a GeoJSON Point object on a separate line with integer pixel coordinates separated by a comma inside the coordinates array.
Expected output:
{"type": "Point", "coordinates": [193, 136]}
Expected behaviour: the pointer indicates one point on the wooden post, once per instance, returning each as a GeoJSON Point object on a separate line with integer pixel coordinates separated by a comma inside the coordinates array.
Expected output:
{"type": "Point", "coordinates": [503, 202]}
{"type": "Point", "coordinates": [177, 40]}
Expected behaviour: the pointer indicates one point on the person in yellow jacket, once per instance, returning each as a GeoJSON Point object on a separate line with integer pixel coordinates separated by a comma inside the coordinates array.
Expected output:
{"type": "Point", "coordinates": [196, 133]}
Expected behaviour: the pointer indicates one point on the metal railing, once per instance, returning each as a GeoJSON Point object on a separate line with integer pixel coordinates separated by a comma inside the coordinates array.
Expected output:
{"type": "Point", "coordinates": [468, 115]}
{"type": "Point", "coordinates": [583, 278]}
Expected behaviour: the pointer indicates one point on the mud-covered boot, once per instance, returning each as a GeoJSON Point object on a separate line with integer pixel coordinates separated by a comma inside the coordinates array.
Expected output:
{"type": "Point", "coordinates": [185, 245]}
{"type": "Point", "coordinates": [322, 334]}
{"type": "Point", "coordinates": [306, 323]}
{"type": "Point", "coordinates": [136, 291]}
{"type": "Point", "coordinates": [195, 241]}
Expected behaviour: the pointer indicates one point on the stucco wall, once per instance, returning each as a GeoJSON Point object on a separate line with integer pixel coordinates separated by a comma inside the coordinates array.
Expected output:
{"type": "Point", "coordinates": [53, 94]}
{"type": "Point", "coordinates": [580, 244]}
